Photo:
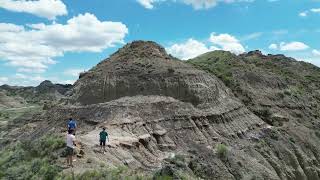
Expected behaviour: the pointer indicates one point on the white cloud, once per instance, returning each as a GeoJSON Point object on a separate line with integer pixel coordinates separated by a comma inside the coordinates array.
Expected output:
{"type": "Point", "coordinates": [293, 46]}
{"type": "Point", "coordinates": [190, 49]}
{"type": "Point", "coordinates": [33, 50]}
{"type": "Point", "coordinates": [315, 10]}
{"type": "Point", "coordinates": [193, 48]}
{"type": "Point", "coordinates": [31, 70]}
{"type": "Point", "coordinates": [30, 78]}
{"type": "Point", "coordinates": [316, 52]}
{"type": "Point", "coordinates": [196, 4]}
{"type": "Point", "coordinates": [49, 9]}
{"type": "Point", "coordinates": [273, 46]}
{"type": "Point", "coordinates": [307, 12]}
{"type": "Point", "coordinates": [251, 36]}
{"type": "Point", "coordinates": [3, 80]}
{"type": "Point", "coordinates": [21, 76]}
{"type": "Point", "coordinates": [227, 42]}
{"type": "Point", "coordinates": [303, 14]}
{"type": "Point", "coordinates": [67, 82]}
{"type": "Point", "coordinates": [34, 80]}
{"type": "Point", "coordinates": [147, 3]}
{"type": "Point", "coordinates": [73, 72]}
{"type": "Point", "coordinates": [201, 4]}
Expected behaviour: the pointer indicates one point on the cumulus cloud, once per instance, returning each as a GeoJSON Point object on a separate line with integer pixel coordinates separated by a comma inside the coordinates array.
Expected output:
{"type": "Point", "coordinates": [3, 80]}
{"type": "Point", "coordinates": [189, 49]}
{"type": "Point", "coordinates": [303, 14]}
{"type": "Point", "coordinates": [273, 46]}
{"type": "Point", "coordinates": [34, 49]}
{"type": "Point", "coordinates": [34, 80]}
{"type": "Point", "coordinates": [147, 3]}
{"type": "Point", "coordinates": [196, 4]}
{"type": "Point", "coordinates": [307, 12]}
{"type": "Point", "coordinates": [315, 10]}
{"type": "Point", "coordinates": [30, 78]}
{"type": "Point", "coordinates": [193, 48]}
{"type": "Point", "coordinates": [316, 52]}
{"type": "Point", "coordinates": [49, 9]}
{"type": "Point", "coordinates": [227, 42]}
{"type": "Point", "coordinates": [291, 46]}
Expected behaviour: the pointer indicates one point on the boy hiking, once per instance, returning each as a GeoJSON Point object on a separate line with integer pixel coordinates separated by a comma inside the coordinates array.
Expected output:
{"type": "Point", "coordinates": [103, 137]}
{"type": "Point", "coordinates": [72, 125]}
{"type": "Point", "coordinates": [70, 146]}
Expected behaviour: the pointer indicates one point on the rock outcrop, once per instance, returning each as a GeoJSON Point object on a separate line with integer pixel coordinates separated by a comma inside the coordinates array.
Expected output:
{"type": "Point", "coordinates": [144, 68]}
{"type": "Point", "coordinates": [285, 94]}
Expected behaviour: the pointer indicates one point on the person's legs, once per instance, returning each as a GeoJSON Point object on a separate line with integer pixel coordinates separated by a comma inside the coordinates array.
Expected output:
{"type": "Point", "coordinates": [104, 146]}
{"type": "Point", "coordinates": [67, 160]}
{"type": "Point", "coordinates": [69, 156]}
{"type": "Point", "coordinates": [71, 161]}
{"type": "Point", "coordinates": [100, 145]}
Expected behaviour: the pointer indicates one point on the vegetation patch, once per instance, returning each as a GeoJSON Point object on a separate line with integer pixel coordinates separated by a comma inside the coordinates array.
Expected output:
{"type": "Point", "coordinates": [106, 173]}
{"type": "Point", "coordinates": [222, 151]}
{"type": "Point", "coordinates": [31, 159]}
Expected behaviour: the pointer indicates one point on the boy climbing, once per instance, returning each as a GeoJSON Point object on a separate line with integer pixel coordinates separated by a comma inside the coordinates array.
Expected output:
{"type": "Point", "coordinates": [70, 146]}
{"type": "Point", "coordinates": [103, 137]}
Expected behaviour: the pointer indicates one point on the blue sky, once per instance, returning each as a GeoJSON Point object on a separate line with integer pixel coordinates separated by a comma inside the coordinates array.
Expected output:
{"type": "Point", "coordinates": [57, 39]}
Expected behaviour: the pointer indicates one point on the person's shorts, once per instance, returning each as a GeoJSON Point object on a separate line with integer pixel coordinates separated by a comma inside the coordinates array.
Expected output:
{"type": "Point", "coordinates": [102, 142]}
{"type": "Point", "coordinates": [69, 151]}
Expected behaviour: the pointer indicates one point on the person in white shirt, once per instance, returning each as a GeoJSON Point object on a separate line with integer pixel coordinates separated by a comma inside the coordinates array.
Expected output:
{"type": "Point", "coordinates": [70, 146]}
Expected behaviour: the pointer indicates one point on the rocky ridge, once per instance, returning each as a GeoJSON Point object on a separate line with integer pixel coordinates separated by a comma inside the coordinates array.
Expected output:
{"type": "Point", "coordinates": [46, 91]}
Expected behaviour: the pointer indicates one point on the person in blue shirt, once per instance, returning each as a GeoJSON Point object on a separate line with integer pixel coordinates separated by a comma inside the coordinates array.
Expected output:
{"type": "Point", "coordinates": [72, 125]}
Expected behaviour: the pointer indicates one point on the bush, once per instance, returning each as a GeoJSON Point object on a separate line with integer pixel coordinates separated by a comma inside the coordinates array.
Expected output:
{"type": "Point", "coordinates": [222, 150]}
{"type": "Point", "coordinates": [104, 173]}
{"type": "Point", "coordinates": [31, 159]}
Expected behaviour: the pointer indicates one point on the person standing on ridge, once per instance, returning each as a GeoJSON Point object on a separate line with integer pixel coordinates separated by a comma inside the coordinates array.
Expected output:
{"type": "Point", "coordinates": [70, 146]}
{"type": "Point", "coordinates": [103, 137]}
{"type": "Point", "coordinates": [72, 125]}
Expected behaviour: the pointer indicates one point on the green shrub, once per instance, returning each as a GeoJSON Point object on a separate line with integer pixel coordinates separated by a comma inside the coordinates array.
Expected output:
{"type": "Point", "coordinates": [31, 159]}
{"type": "Point", "coordinates": [162, 177]}
{"type": "Point", "coordinates": [222, 150]}
{"type": "Point", "coordinates": [104, 173]}
{"type": "Point", "coordinates": [178, 160]}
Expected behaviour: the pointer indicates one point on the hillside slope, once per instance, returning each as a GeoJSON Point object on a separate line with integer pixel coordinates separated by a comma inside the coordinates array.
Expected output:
{"type": "Point", "coordinates": [218, 116]}
{"type": "Point", "coordinates": [285, 94]}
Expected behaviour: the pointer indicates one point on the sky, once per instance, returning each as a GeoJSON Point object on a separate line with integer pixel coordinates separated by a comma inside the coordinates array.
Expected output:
{"type": "Point", "coordinates": [57, 39]}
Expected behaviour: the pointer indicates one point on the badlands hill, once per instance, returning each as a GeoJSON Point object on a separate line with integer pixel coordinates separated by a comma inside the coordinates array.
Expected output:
{"type": "Point", "coordinates": [218, 116]}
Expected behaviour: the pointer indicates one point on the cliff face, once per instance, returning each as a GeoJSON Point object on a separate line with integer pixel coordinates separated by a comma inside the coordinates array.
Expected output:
{"type": "Point", "coordinates": [156, 107]}
{"type": "Point", "coordinates": [144, 68]}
